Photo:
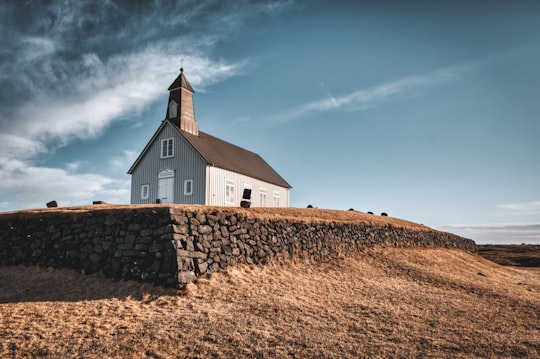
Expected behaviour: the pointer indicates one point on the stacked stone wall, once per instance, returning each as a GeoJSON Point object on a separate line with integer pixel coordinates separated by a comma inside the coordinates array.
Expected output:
{"type": "Point", "coordinates": [129, 244]}
{"type": "Point", "coordinates": [208, 242]}
{"type": "Point", "coordinates": [168, 245]}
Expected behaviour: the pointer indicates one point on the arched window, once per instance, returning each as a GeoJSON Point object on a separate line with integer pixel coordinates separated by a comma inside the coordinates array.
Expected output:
{"type": "Point", "coordinates": [173, 109]}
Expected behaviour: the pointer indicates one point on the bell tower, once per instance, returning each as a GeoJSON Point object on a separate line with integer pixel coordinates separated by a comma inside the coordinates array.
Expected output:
{"type": "Point", "coordinates": [180, 107]}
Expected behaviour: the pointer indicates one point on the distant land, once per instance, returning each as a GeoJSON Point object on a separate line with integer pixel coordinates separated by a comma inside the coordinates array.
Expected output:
{"type": "Point", "coordinates": [525, 255]}
{"type": "Point", "coordinates": [498, 234]}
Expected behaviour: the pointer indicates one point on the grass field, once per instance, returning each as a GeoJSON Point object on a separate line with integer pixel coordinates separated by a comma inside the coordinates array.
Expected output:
{"type": "Point", "coordinates": [380, 303]}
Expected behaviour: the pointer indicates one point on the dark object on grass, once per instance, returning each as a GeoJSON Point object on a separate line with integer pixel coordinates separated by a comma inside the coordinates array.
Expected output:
{"type": "Point", "coordinates": [309, 206]}
{"type": "Point", "coordinates": [52, 204]}
{"type": "Point", "coordinates": [99, 202]}
{"type": "Point", "coordinates": [384, 214]}
{"type": "Point", "coordinates": [245, 204]}
{"type": "Point", "coordinates": [370, 212]}
{"type": "Point", "coordinates": [351, 209]}
{"type": "Point", "coordinates": [246, 198]}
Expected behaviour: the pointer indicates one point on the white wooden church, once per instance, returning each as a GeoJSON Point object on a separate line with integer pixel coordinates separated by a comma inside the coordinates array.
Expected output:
{"type": "Point", "coordinates": [181, 164]}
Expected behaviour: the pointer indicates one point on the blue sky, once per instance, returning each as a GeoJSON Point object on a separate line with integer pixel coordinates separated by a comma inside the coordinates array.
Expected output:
{"type": "Point", "coordinates": [428, 111]}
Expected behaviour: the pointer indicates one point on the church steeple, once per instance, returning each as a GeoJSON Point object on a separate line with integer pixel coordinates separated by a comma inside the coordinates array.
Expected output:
{"type": "Point", "coordinates": [180, 106]}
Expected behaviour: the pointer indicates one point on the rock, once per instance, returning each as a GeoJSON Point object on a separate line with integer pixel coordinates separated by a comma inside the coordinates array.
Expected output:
{"type": "Point", "coordinates": [188, 246]}
{"type": "Point", "coordinates": [201, 267]}
{"type": "Point", "coordinates": [94, 257]}
{"type": "Point", "coordinates": [204, 229]}
{"type": "Point", "coordinates": [185, 277]}
{"type": "Point", "coordinates": [201, 217]}
{"type": "Point", "coordinates": [185, 264]}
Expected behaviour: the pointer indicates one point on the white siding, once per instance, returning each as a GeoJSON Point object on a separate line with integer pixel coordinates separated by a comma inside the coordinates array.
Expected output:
{"type": "Point", "coordinates": [216, 177]}
{"type": "Point", "coordinates": [186, 163]}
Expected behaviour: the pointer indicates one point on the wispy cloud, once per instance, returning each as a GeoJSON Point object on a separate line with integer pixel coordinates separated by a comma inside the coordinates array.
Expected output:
{"type": "Point", "coordinates": [110, 91]}
{"type": "Point", "coordinates": [119, 162]}
{"type": "Point", "coordinates": [532, 206]}
{"type": "Point", "coordinates": [363, 99]}
{"type": "Point", "coordinates": [330, 96]}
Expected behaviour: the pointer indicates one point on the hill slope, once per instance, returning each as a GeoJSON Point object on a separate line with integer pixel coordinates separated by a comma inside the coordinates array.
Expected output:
{"type": "Point", "coordinates": [381, 303]}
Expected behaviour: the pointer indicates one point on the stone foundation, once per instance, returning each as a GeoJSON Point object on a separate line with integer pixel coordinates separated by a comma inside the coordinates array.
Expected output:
{"type": "Point", "coordinates": [171, 246]}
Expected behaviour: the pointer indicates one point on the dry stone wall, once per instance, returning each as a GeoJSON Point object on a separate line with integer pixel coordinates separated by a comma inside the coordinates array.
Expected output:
{"type": "Point", "coordinates": [129, 244]}
{"type": "Point", "coordinates": [172, 246]}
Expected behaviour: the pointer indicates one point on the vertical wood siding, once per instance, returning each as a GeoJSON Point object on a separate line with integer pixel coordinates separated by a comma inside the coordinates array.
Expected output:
{"type": "Point", "coordinates": [186, 163]}
{"type": "Point", "coordinates": [216, 178]}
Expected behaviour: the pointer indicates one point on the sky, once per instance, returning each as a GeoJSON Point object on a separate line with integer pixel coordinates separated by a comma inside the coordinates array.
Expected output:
{"type": "Point", "coordinates": [426, 110]}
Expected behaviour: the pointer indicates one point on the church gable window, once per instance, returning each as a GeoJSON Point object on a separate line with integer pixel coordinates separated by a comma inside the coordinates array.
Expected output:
{"type": "Point", "coordinates": [167, 148]}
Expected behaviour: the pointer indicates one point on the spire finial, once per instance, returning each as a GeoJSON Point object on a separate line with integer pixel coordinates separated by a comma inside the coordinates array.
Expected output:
{"type": "Point", "coordinates": [182, 65]}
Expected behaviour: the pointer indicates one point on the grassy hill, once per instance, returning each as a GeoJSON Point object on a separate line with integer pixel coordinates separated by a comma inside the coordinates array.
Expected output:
{"type": "Point", "coordinates": [384, 302]}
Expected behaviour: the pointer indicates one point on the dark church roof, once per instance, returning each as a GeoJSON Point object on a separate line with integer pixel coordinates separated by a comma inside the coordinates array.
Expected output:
{"type": "Point", "coordinates": [225, 155]}
{"type": "Point", "coordinates": [222, 154]}
{"type": "Point", "coordinates": [181, 81]}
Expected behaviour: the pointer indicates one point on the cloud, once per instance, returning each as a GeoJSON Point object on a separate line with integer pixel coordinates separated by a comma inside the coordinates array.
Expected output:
{"type": "Point", "coordinates": [532, 206]}
{"type": "Point", "coordinates": [27, 186]}
{"type": "Point", "coordinates": [367, 98]}
{"type": "Point", "coordinates": [119, 163]}
{"type": "Point", "coordinates": [34, 48]}
{"type": "Point", "coordinates": [105, 92]}
{"type": "Point", "coordinates": [79, 66]}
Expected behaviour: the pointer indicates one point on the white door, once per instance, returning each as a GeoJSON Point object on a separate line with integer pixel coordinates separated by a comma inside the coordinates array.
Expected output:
{"type": "Point", "coordinates": [166, 186]}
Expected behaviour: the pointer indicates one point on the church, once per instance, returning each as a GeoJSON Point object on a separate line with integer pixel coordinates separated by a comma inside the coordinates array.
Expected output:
{"type": "Point", "coordinates": [183, 165]}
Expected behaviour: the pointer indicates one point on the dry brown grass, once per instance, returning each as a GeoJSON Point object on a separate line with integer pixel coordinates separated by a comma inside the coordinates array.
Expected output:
{"type": "Point", "coordinates": [310, 215]}
{"type": "Point", "coordinates": [381, 303]}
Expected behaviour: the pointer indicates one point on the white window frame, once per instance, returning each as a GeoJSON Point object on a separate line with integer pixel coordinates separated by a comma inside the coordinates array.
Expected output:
{"type": "Point", "coordinates": [167, 148]}
{"type": "Point", "coordinates": [276, 199]}
{"type": "Point", "coordinates": [188, 183]}
{"type": "Point", "coordinates": [262, 197]}
{"type": "Point", "coordinates": [145, 191]}
{"type": "Point", "coordinates": [229, 192]}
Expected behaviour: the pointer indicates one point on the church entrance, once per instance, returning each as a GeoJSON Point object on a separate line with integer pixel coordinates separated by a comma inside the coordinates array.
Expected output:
{"type": "Point", "coordinates": [166, 186]}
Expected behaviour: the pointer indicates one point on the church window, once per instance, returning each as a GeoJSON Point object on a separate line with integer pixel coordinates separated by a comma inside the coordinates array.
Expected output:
{"type": "Point", "coordinates": [188, 187]}
{"type": "Point", "coordinates": [262, 197]}
{"type": "Point", "coordinates": [145, 189]}
{"type": "Point", "coordinates": [229, 192]}
{"type": "Point", "coordinates": [167, 148]}
{"type": "Point", "coordinates": [173, 109]}
{"type": "Point", "coordinates": [276, 199]}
